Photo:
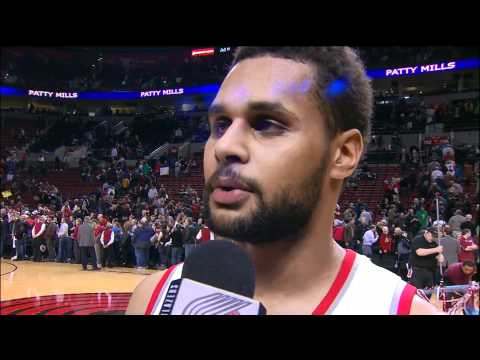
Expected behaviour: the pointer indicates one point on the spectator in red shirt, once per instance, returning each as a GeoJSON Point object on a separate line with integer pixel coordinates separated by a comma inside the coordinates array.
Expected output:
{"type": "Point", "coordinates": [99, 228]}
{"type": "Point", "coordinates": [467, 246]}
{"type": "Point", "coordinates": [385, 241]}
{"type": "Point", "coordinates": [76, 249]}
{"type": "Point", "coordinates": [66, 211]}
{"type": "Point", "coordinates": [338, 230]}
{"type": "Point", "coordinates": [156, 169]}
{"type": "Point", "coordinates": [204, 234]}
{"type": "Point", "coordinates": [460, 273]}
{"type": "Point", "coordinates": [195, 210]}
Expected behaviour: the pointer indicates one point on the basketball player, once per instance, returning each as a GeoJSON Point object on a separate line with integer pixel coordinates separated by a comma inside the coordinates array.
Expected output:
{"type": "Point", "coordinates": [288, 126]}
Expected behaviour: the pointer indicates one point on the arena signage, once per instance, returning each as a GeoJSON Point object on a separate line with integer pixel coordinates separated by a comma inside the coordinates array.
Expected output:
{"type": "Point", "coordinates": [203, 52]}
{"type": "Point", "coordinates": [53, 94]}
{"type": "Point", "coordinates": [164, 92]}
{"type": "Point", "coordinates": [436, 140]}
{"type": "Point", "coordinates": [415, 70]}
{"type": "Point", "coordinates": [110, 95]}
{"type": "Point", "coordinates": [419, 69]}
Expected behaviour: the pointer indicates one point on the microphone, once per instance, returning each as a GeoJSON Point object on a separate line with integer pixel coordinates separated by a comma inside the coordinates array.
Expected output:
{"type": "Point", "coordinates": [218, 278]}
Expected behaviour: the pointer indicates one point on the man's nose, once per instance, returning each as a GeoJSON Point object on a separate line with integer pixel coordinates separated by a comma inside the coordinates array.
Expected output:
{"type": "Point", "coordinates": [232, 146]}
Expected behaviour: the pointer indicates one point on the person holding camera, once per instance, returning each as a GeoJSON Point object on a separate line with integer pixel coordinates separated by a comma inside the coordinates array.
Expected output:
{"type": "Point", "coordinates": [19, 234]}
{"type": "Point", "coordinates": [424, 257]}
{"type": "Point", "coordinates": [177, 244]}
{"type": "Point", "coordinates": [403, 251]}
{"type": "Point", "coordinates": [158, 241]}
{"type": "Point", "coordinates": [189, 233]}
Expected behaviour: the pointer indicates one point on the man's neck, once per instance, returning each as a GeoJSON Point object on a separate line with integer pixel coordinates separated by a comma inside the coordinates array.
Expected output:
{"type": "Point", "coordinates": [295, 275]}
{"type": "Point", "coordinates": [288, 268]}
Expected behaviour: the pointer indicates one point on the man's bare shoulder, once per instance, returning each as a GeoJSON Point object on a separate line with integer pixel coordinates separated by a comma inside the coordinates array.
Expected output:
{"type": "Point", "coordinates": [142, 294]}
{"type": "Point", "coordinates": [423, 307]}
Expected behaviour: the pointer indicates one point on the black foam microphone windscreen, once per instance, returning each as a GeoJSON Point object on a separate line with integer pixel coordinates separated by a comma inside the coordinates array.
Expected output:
{"type": "Point", "coordinates": [222, 264]}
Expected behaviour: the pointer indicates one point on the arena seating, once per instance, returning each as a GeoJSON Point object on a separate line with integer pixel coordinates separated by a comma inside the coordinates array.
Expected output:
{"type": "Point", "coordinates": [370, 192]}
{"type": "Point", "coordinates": [195, 180]}
{"type": "Point", "coordinates": [12, 126]}
{"type": "Point", "coordinates": [70, 183]}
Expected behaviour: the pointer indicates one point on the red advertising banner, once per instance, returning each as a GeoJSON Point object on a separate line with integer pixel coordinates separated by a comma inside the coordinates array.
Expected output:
{"type": "Point", "coordinates": [436, 140]}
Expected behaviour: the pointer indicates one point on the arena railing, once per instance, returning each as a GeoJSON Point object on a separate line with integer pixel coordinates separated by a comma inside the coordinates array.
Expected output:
{"type": "Point", "coordinates": [158, 152]}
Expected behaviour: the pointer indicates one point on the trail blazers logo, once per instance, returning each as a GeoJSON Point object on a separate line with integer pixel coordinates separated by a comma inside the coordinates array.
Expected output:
{"type": "Point", "coordinates": [215, 304]}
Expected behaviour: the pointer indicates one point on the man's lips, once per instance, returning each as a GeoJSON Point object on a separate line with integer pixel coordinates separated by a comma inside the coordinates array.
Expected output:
{"type": "Point", "coordinates": [228, 183]}
{"type": "Point", "coordinates": [229, 191]}
{"type": "Point", "coordinates": [229, 197]}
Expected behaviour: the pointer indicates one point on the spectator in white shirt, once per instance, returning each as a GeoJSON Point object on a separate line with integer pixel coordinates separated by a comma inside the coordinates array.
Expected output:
{"type": "Point", "coordinates": [367, 216]}
{"type": "Point", "coordinates": [438, 223]}
{"type": "Point", "coordinates": [178, 133]}
{"type": "Point", "coordinates": [152, 193]}
{"type": "Point", "coordinates": [178, 167]}
{"type": "Point", "coordinates": [114, 153]}
{"type": "Point", "coordinates": [369, 238]}
{"type": "Point", "coordinates": [437, 174]}
{"type": "Point", "coordinates": [64, 243]}
{"type": "Point", "coordinates": [455, 188]}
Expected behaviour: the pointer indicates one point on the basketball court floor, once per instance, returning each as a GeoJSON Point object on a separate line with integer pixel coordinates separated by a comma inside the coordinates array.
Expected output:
{"type": "Point", "coordinates": [30, 288]}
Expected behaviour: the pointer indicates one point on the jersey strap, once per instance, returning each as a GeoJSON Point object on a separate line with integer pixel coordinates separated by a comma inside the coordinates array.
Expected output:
{"type": "Point", "coordinates": [338, 284]}
{"type": "Point", "coordinates": [406, 299]}
{"type": "Point", "coordinates": [174, 272]}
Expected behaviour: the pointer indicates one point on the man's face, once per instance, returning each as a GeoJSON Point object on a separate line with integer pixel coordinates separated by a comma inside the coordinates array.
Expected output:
{"type": "Point", "coordinates": [428, 236]}
{"type": "Point", "coordinates": [267, 143]}
{"type": "Point", "coordinates": [468, 270]}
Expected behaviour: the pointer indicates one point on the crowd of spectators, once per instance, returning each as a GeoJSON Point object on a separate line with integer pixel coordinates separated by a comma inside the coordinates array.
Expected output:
{"type": "Point", "coordinates": [94, 69]}
{"type": "Point", "coordinates": [128, 198]}
{"type": "Point", "coordinates": [107, 153]}
{"type": "Point", "coordinates": [381, 57]}
{"type": "Point", "coordinates": [414, 115]}
{"type": "Point", "coordinates": [133, 219]}
{"type": "Point", "coordinates": [91, 69]}
{"type": "Point", "coordinates": [406, 220]}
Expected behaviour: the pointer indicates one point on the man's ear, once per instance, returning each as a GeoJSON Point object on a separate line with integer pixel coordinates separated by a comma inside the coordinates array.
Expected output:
{"type": "Point", "coordinates": [347, 149]}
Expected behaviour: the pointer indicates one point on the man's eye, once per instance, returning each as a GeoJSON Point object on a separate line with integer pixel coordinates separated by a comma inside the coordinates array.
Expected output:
{"type": "Point", "coordinates": [219, 127]}
{"type": "Point", "coordinates": [267, 126]}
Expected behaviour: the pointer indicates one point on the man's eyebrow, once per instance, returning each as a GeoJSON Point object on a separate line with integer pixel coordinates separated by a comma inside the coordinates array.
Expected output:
{"type": "Point", "coordinates": [255, 106]}
{"type": "Point", "coordinates": [217, 109]}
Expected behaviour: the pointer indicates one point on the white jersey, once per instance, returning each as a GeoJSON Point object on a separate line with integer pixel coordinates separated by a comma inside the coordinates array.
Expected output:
{"type": "Point", "coordinates": [363, 288]}
{"type": "Point", "coordinates": [360, 288]}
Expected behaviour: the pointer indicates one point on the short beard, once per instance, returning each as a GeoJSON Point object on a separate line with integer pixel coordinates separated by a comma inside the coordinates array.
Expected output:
{"type": "Point", "coordinates": [285, 218]}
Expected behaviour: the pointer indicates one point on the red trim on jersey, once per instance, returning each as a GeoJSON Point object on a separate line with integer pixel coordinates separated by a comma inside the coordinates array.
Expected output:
{"type": "Point", "coordinates": [157, 290]}
{"type": "Point", "coordinates": [337, 284]}
{"type": "Point", "coordinates": [406, 299]}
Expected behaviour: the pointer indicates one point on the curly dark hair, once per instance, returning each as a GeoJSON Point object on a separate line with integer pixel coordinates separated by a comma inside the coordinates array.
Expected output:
{"type": "Point", "coordinates": [342, 89]}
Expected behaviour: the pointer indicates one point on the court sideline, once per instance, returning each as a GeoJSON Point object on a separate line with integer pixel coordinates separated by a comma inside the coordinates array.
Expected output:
{"type": "Point", "coordinates": [34, 286]}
